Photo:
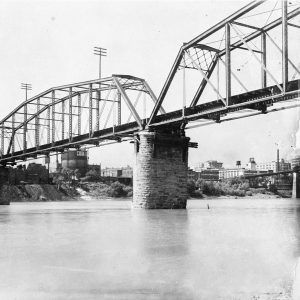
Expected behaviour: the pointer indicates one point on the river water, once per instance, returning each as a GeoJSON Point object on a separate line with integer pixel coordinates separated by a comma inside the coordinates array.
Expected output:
{"type": "Point", "coordinates": [237, 249]}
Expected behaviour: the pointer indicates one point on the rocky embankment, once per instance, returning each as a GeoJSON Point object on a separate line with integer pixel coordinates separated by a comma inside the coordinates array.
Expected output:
{"type": "Point", "coordinates": [63, 192]}
{"type": "Point", "coordinates": [34, 192]}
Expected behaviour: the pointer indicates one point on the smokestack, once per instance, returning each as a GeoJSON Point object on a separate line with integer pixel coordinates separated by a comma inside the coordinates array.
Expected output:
{"type": "Point", "coordinates": [278, 160]}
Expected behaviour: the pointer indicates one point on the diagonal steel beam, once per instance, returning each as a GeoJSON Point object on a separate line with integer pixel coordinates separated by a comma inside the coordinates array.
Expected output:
{"type": "Point", "coordinates": [236, 78]}
{"type": "Point", "coordinates": [220, 25]}
{"type": "Point", "coordinates": [205, 77]}
{"type": "Point", "coordinates": [256, 58]}
{"type": "Point", "coordinates": [135, 104]}
{"type": "Point", "coordinates": [274, 43]}
{"type": "Point", "coordinates": [266, 28]}
{"type": "Point", "coordinates": [128, 102]}
{"type": "Point", "coordinates": [204, 82]}
{"type": "Point", "coordinates": [166, 86]}
{"type": "Point", "coordinates": [153, 97]}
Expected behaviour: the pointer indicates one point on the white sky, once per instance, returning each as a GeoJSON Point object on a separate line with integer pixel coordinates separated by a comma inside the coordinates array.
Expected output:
{"type": "Point", "coordinates": [49, 43]}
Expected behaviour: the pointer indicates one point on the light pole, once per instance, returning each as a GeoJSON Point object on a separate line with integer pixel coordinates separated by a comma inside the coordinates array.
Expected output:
{"type": "Point", "coordinates": [100, 52]}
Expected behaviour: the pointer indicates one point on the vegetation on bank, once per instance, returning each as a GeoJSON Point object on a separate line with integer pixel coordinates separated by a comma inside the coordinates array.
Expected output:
{"type": "Point", "coordinates": [92, 183]}
{"type": "Point", "coordinates": [103, 190]}
{"type": "Point", "coordinates": [232, 187]}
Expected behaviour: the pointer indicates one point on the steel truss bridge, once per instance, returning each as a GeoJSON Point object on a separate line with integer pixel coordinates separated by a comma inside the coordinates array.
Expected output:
{"type": "Point", "coordinates": [116, 108]}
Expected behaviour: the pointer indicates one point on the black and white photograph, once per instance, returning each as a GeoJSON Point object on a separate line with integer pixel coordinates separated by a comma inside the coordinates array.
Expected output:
{"type": "Point", "coordinates": [150, 149]}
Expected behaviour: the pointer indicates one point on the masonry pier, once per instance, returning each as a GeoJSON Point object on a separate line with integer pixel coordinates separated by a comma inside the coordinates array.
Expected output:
{"type": "Point", "coordinates": [296, 175]}
{"type": "Point", "coordinates": [160, 171]}
{"type": "Point", "coordinates": [296, 185]}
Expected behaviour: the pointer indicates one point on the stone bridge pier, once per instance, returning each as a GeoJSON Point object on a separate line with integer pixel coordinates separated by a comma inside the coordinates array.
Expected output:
{"type": "Point", "coordinates": [160, 170]}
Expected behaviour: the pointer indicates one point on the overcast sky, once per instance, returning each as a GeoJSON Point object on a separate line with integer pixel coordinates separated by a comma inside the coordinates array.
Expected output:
{"type": "Point", "coordinates": [51, 43]}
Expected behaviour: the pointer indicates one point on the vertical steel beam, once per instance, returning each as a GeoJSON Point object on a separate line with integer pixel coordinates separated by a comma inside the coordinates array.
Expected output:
{"type": "Point", "coordinates": [144, 106]}
{"type": "Point", "coordinates": [284, 45]}
{"type": "Point", "coordinates": [70, 114]}
{"type": "Point", "coordinates": [25, 128]}
{"type": "Point", "coordinates": [90, 109]}
{"type": "Point", "coordinates": [12, 134]}
{"type": "Point", "coordinates": [263, 59]}
{"type": "Point", "coordinates": [79, 114]}
{"type": "Point", "coordinates": [228, 63]}
{"type": "Point", "coordinates": [2, 140]}
{"type": "Point", "coordinates": [53, 116]}
{"type": "Point", "coordinates": [48, 125]}
{"type": "Point", "coordinates": [119, 108]}
{"type": "Point", "coordinates": [183, 92]}
{"type": "Point", "coordinates": [98, 110]}
{"type": "Point", "coordinates": [62, 120]}
{"type": "Point", "coordinates": [37, 123]}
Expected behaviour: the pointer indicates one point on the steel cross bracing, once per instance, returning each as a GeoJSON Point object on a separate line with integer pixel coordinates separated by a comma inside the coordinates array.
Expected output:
{"type": "Point", "coordinates": [74, 114]}
{"type": "Point", "coordinates": [236, 36]}
{"type": "Point", "coordinates": [95, 111]}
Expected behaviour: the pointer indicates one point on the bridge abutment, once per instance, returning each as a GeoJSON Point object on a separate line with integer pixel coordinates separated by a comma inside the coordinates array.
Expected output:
{"type": "Point", "coordinates": [160, 171]}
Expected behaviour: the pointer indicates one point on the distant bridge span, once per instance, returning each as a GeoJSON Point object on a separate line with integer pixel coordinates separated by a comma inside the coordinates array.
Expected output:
{"type": "Point", "coordinates": [117, 107]}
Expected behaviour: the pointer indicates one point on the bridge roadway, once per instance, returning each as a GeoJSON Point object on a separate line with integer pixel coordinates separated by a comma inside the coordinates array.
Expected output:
{"type": "Point", "coordinates": [258, 100]}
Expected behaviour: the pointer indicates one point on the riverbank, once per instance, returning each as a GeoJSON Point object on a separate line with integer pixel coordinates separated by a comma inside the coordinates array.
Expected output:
{"type": "Point", "coordinates": [62, 192]}
{"type": "Point", "coordinates": [35, 193]}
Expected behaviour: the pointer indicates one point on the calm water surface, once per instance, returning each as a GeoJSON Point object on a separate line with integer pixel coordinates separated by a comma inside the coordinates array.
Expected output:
{"type": "Point", "coordinates": [238, 249]}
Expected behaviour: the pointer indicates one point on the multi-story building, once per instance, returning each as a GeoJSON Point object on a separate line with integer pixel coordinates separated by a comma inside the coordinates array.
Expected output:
{"type": "Point", "coordinates": [235, 172]}
{"type": "Point", "coordinates": [209, 175]}
{"type": "Point", "coordinates": [212, 164]}
{"type": "Point", "coordinates": [251, 165]}
{"type": "Point", "coordinates": [272, 166]}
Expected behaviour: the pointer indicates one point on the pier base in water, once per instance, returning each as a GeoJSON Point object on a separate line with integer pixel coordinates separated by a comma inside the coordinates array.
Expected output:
{"type": "Point", "coordinates": [296, 185]}
{"type": "Point", "coordinates": [160, 171]}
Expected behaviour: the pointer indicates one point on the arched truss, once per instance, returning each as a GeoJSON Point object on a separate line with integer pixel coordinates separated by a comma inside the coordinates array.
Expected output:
{"type": "Point", "coordinates": [200, 55]}
{"type": "Point", "coordinates": [76, 114]}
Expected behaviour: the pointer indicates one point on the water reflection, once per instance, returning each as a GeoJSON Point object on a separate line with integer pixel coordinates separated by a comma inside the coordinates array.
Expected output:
{"type": "Point", "coordinates": [163, 244]}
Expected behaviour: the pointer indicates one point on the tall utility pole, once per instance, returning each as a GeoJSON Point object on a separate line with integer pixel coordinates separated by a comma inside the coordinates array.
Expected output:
{"type": "Point", "coordinates": [277, 162]}
{"type": "Point", "coordinates": [27, 87]}
{"type": "Point", "coordinates": [100, 52]}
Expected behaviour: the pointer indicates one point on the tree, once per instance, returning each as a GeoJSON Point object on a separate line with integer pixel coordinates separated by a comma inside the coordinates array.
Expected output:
{"type": "Point", "coordinates": [92, 175]}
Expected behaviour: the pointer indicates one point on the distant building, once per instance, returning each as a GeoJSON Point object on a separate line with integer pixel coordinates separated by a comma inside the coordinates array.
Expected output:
{"type": "Point", "coordinates": [209, 175]}
{"type": "Point", "coordinates": [272, 166]}
{"type": "Point", "coordinates": [126, 172]}
{"type": "Point", "coordinates": [251, 165]}
{"type": "Point", "coordinates": [235, 172]}
{"type": "Point", "coordinates": [75, 160]}
{"type": "Point", "coordinates": [212, 164]}
{"type": "Point", "coordinates": [209, 164]}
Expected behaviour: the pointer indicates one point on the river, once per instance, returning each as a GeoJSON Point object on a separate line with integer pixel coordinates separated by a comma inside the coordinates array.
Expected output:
{"type": "Point", "coordinates": [237, 249]}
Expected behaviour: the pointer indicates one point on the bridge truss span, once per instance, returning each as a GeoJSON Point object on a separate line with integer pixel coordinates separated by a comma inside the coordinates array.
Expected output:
{"type": "Point", "coordinates": [245, 65]}
{"type": "Point", "coordinates": [75, 114]}
{"type": "Point", "coordinates": [244, 55]}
